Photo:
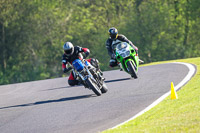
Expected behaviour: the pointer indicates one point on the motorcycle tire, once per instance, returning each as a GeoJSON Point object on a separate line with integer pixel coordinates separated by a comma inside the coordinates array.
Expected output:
{"type": "Point", "coordinates": [104, 88]}
{"type": "Point", "coordinates": [93, 86]}
{"type": "Point", "coordinates": [132, 70]}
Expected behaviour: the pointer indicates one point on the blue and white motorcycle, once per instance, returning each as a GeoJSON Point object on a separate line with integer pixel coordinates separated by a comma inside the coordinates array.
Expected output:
{"type": "Point", "coordinates": [90, 76]}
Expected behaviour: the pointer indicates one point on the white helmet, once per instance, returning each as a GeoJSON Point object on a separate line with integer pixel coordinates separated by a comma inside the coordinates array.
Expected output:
{"type": "Point", "coordinates": [68, 48]}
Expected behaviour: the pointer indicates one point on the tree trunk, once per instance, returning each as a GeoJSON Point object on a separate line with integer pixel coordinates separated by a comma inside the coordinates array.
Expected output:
{"type": "Point", "coordinates": [3, 52]}
{"type": "Point", "coordinates": [186, 25]}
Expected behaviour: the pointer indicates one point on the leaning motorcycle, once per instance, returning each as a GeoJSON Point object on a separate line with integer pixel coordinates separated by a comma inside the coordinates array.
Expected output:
{"type": "Point", "coordinates": [89, 76]}
{"type": "Point", "coordinates": [128, 58]}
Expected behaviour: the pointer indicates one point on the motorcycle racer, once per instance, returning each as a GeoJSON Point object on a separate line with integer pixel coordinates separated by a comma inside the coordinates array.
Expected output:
{"type": "Point", "coordinates": [114, 39]}
{"type": "Point", "coordinates": [72, 53]}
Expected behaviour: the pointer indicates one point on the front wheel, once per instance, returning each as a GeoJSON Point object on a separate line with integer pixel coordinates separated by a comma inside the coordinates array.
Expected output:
{"type": "Point", "coordinates": [131, 69]}
{"type": "Point", "coordinates": [93, 86]}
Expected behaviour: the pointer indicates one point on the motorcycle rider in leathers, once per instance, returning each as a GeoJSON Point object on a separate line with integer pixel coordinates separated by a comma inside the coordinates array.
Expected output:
{"type": "Point", "coordinates": [72, 53]}
{"type": "Point", "coordinates": [116, 38]}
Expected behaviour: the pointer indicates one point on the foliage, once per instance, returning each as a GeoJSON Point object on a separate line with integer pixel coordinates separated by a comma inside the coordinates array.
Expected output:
{"type": "Point", "coordinates": [32, 32]}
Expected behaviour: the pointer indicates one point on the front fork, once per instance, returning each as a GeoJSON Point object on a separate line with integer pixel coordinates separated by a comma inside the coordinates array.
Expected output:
{"type": "Point", "coordinates": [90, 75]}
{"type": "Point", "coordinates": [134, 62]}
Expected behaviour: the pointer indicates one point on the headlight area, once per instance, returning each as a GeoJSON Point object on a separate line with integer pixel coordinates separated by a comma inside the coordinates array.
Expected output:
{"type": "Point", "coordinates": [125, 54]}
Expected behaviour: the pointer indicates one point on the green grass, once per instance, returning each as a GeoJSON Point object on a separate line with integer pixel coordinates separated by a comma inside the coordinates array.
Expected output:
{"type": "Point", "coordinates": [171, 116]}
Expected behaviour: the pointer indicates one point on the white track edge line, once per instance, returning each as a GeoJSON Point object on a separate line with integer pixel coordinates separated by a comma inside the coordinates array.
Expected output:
{"type": "Point", "coordinates": [185, 80]}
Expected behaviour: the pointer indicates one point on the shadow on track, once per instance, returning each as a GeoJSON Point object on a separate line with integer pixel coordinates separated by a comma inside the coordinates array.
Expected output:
{"type": "Point", "coordinates": [107, 81]}
{"type": "Point", "coordinates": [61, 88]}
{"type": "Point", "coordinates": [51, 101]}
{"type": "Point", "coordinates": [116, 80]}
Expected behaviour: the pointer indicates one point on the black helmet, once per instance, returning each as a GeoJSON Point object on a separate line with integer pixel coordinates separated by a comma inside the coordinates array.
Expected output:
{"type": "Point", "coordinates": [113, 33]}
{"type": "Point", "coordinates": [68, 48]}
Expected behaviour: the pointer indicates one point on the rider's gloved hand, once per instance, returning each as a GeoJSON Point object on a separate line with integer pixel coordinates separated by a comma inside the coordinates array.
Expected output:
{"type": "Point", "coordinates": [87, 54]}
{"type": "Point", "coordinates": [65, 70]}
{"type": "Point", "coordinates": [136, 50]}
{"type": "Point", "coordinates": [69, 68]}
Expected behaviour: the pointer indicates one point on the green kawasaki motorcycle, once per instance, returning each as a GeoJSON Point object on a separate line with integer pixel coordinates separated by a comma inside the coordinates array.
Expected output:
{"type": "Point", "coordinates": [128, 58]}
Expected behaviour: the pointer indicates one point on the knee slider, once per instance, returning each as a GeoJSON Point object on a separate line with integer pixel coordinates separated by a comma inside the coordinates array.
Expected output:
{"type": "Point", "coordinates": [113, 63]}
{"type": "Point", "coordinates": [72, 82]}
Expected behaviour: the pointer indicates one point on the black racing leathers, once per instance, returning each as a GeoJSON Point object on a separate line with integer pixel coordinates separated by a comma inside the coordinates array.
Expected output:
{"type": "Point", "coordinates": [111, 44]}
{"type": "Point", "coordinates": [76, 55]}
{"type": "Point", "coordinates": [120, 38]}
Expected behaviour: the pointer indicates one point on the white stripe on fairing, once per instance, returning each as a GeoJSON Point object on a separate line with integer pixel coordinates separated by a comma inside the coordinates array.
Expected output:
{"type": "Point", "coordinates": [185, 80]}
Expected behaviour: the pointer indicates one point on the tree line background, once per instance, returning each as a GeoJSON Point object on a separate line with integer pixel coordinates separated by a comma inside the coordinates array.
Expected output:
{"type": "Point", "coordinates": [32, 32]}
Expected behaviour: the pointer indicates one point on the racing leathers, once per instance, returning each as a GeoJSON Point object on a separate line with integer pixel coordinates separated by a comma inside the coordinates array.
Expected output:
{"type": "Point", "coordinates": [69, 59]}
{"type": "Point", "coordinates": [111, 45]}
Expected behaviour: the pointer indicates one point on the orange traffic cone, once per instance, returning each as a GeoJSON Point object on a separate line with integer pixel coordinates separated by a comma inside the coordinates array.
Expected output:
{"type": "Point", "coordinates": [173, 92]}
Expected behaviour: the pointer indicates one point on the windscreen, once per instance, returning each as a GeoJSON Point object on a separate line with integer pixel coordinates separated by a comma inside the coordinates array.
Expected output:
{"type": "Point", "coordinates": [122, 45]}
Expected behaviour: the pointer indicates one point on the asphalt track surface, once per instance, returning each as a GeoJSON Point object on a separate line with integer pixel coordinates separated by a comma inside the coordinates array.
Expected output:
{"type": "Point", "coordinates": [51, 106]}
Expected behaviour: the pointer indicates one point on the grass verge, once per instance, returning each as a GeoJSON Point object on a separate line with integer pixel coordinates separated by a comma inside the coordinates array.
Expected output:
{"type": "Point", "coordinates": [180, 115]}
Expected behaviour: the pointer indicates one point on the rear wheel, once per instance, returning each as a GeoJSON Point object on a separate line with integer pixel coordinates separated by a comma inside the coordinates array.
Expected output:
{"type": "Point", "coordinates": [132, 70]}
{"type": "Point", "coordinates": [92, 85]}
{"type": "Point", "coordinates": [104, 88]}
